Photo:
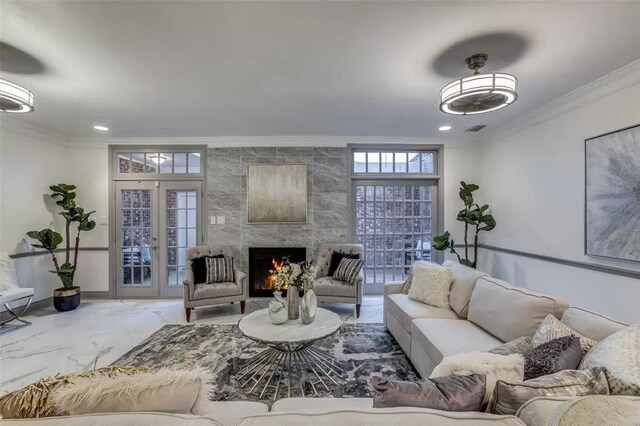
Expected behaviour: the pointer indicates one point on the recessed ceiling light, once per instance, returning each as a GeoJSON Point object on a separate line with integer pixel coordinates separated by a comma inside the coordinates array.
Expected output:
{"type": "Point", "coordinates": [101, 128]}
{"type": "Point", "coordinates": [444, 128]}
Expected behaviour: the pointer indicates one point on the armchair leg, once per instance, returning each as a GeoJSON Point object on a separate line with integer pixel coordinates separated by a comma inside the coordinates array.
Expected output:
{"type": "Point", "coordinates": [188, 313]}
{"type": "Point", "coordinates": [357, 311]}
{"type": "Point", "coordinates": [242, 304]}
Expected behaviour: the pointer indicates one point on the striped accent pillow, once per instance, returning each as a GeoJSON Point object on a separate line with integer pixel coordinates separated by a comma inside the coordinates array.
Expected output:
{"type": "Point", "coordinates": [348, 270]}
{"type": "Point", "coordinates": [220, 270]}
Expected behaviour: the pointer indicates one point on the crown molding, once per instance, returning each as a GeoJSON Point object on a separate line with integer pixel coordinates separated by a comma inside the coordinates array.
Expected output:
{"type": "Point", "coordinates": [12, 123]}
{"type": "Point", "coordinates": [620, 79]}
{"type": "Point", "coordinates": [265, 141]}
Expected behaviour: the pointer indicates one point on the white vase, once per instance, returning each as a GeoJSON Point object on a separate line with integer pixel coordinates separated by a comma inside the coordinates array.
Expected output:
{"type": "Point", "coordinates": [278, 309]}
{"type": "Point", "coordinates": [308, 307]}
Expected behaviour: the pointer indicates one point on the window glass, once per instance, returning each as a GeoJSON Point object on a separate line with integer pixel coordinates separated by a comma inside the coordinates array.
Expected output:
{"type": "Point", "coordinates": [359, 162]}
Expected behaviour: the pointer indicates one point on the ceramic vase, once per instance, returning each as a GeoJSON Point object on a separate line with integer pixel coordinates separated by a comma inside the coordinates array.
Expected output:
{"type": "Point", "coordinates": [278, 309]}
{"type": "Point", "coordinates": [308, 307]}
{"type": "Point", "coordinates": [293, 302]}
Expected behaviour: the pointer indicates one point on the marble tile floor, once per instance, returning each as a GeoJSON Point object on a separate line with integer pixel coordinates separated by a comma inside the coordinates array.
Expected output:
{"type": "Point", "coordinates": [101, 331]}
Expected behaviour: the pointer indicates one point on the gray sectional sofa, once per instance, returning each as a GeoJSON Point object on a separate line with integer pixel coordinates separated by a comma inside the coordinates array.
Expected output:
{"type": "Point", "coordinates": [485, 312]}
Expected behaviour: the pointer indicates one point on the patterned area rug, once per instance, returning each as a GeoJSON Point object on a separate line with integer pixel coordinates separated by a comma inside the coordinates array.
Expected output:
{"type": "Point", "coordinates": [363, 351]}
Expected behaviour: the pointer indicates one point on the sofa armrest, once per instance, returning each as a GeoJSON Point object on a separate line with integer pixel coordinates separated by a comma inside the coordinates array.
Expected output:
{"type": "Point", "coordinates": [187, 281]}
{"type": "Point", "coordinates": [359, 287]}
{"type": "Point", "coordinates": [393, 287]}
{"type": "Point", "coordinates": [242, 282]}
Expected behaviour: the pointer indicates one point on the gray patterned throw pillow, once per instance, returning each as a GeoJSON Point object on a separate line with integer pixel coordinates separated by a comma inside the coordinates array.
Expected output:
{"type": "Point", "coordinates": [563, 353]}
{"type": "Point", "coordinates": [521, 345]}
{"type": "Point", "coordinates": [220, 270]}
{"type": "Point", "coordinates": [348, 270]}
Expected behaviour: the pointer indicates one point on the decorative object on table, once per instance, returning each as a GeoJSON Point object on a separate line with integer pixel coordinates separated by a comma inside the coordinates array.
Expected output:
{"type": "Point", "coordinates": [473, 216]}
{"type": "Point", "coordinates": [278, 313]}
{"type": "Point", "coordinates": [559, 354]}
{"type": "Point", "coordinates": [619, 353]}
{"type": "Point", "coordinates": [287, 277]}
{"type": "Point", "coordinates": [292, 360]}
{"type": "Point", "coordinates": [612, 195]}
{"type": "Point", "coordinates": [552, 328]}
{"type": "Point", "coordinates": [431, 283]}
{"type": "Point", "coordinates": [510, 395]}
{"type": "Point", "coordinates": [478, 93]}
{"type": "Point", "coordinates": [67, 297]}
{"type": "Point", "coordinates": [276, 193]}
{"type": "Point", "coordinates": [309, 304]}
{"type": "Point", "coordinates": [495, 367]}
{"type": "Point", "coordinates": [451, 393]}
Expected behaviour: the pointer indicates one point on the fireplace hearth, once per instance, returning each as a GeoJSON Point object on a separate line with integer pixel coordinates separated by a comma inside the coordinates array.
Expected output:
{"type": "Point", "coordinates": [261, 261]}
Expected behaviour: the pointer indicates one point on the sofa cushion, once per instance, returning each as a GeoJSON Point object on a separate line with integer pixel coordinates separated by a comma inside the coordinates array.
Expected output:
{"type": "Point", "coordinates": [552, 328]}
{"type": "Point", "coordinates": [442, 337]}
{"type": "Point", "coordinates": [379, 417]}
{"type": "Point", "coordinates": [509, 312]}
{"type": "Point", "coordinates": [596, 410]}
{"type": "Point", "coordinates": [591, 324]}
{"type": "Point", "coordinates": [321, 404]}
{"type": "Point", "coordinates": [110, 419]}
{"type": "Point", "coordinates": [406, 310]}
{"type": "Point", "coordinates": [464, 281]}
{"type": "Point", "coordinates": [327, 286]}
{"type": "Point", "coordinates": [209, 291]}
{"type": "Point", "coordinates": [229, 412]}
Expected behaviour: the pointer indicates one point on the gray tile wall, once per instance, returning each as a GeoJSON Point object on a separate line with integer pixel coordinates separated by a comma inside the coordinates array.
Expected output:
{"type": "Point", "coordinates": [327, 199]}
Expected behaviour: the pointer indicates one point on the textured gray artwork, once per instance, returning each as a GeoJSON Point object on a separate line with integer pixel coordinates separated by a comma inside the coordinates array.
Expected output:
{"type": "Point", "coordinates": [613, 195]}
{"type": "Point", "coordinates": [277, 193]}
{"type": "Point", "coordinates": [363, 351]}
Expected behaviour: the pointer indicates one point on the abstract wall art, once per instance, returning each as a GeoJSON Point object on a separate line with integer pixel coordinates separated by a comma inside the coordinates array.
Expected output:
{"type": "Point", "coordinates": [276, 193]}
{"type": "Point", "coordinates": [612, 195]}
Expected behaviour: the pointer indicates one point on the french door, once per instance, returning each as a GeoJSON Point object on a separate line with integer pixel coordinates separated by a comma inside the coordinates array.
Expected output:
{"type": "Point", "coordinates": [155, 222]}
{"type": "Point", "coordinates": [394, 220]}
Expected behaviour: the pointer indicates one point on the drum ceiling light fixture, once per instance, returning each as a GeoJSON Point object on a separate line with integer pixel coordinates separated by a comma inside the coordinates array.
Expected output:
{"type": "Point", "coordinates": [15, 98]}
{"type": "Point", "coordinates": [478, 93]}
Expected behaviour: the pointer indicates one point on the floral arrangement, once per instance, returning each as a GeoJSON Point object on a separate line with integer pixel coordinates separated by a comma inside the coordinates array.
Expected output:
{"type": "Point", "coordinates": [287, 274]}
{"type": "Point", "coordinates": [307, 275]}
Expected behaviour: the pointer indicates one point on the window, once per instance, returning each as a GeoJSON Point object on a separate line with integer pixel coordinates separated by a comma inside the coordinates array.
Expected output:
{"type": "Point", "coordinates": [401, 162]}
{"type": "Point", "coordinates": [159, 162]}
{"type": "Point", "coordinates": [394, 209]}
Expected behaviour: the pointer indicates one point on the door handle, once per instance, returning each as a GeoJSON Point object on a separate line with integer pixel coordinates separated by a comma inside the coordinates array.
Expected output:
{"type": "Point", "coordinates": [154, 244]}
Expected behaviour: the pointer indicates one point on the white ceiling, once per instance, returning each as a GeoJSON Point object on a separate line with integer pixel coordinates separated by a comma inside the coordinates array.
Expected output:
{"type": "Point", "coordinates": [181, 68]}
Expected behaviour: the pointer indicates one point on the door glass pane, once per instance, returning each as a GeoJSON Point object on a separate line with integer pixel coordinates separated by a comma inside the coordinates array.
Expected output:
{"type": "Point", "coordinates": [135, 234]}
{"type": "Point", "coordinates": [394, 226]}
{"type": "Point", "coordinates": [182, 228]}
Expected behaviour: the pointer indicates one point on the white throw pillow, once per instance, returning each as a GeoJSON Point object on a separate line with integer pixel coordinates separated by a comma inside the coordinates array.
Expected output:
{"type": "Point", "coordinates": [164, 390]}
{"type": "Point", "coordinates": [430, 284]}
{"type": "Point", "coordinates": [619, 353]}
{"type": "Point", "coordinates": [8, 277]}
{"type": "Point", "coordinates": [509, 368]}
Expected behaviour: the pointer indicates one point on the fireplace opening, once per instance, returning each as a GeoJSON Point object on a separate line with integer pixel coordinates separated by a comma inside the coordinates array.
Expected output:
{"type": "Point", "coordinates": [264, 259]}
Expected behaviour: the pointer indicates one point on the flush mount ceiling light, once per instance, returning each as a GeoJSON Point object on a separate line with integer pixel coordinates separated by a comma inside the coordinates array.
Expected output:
{"type": "Point", "coordinates": [478, 93]}
{"type": "Point", "coordinates": [444, 128]}
{"type": "Point", "coordinates": [15, 98]}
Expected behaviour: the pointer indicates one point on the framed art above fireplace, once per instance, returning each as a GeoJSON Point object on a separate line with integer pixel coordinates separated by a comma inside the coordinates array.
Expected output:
{"type": "Point", "coordinates": [276, 193]}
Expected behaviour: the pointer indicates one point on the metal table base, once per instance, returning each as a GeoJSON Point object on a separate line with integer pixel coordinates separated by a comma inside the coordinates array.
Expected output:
{"type": "Point", "coordinates": [288, 368]}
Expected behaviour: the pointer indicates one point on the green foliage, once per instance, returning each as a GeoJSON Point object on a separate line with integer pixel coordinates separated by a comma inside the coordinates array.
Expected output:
{"type": "Point", "coordinates": [472, 215]}
{"type": "Point", "coordinates": [49, 240]}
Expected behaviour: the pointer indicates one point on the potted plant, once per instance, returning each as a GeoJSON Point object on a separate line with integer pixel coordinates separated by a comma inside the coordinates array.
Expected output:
{"type": "Point", "coordinates": [474, 216]}
{"type": "Point", "coordinates": [67, 297]}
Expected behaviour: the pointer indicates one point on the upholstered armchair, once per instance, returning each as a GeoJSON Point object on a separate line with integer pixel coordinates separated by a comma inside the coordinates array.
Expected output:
{"type": "Point", "coordinates": [202, 294]}
{"type": "Point", "coordinates": [329, 290]}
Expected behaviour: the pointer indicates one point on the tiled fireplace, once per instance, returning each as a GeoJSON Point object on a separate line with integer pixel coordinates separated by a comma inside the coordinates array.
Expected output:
{"type": "Point", "coordinates": [264, 259]}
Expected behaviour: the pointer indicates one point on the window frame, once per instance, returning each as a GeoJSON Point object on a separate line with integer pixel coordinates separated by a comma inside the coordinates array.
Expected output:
{"type": "Point", "coordinates": [116, 150]}
{"type": "Point", "coordinates": [435, 150]}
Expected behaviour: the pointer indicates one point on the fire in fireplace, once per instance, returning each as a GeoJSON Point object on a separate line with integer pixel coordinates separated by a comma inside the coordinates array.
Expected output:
{"type": "Point", "coordinates": [262, 260]}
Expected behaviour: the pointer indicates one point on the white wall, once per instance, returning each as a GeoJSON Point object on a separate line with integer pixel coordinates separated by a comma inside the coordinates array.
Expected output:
{"type": "Point", "coordinates": [29, 163]}
{"type": "Point", "coordinates": [534, 181]}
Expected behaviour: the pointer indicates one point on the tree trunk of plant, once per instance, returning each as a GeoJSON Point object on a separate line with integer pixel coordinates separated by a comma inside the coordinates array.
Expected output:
{"type": "Point", "coordinates": [475, 248]}
{"type": "Point", "coordinates": [466, 243]}
{"type": "Point", "coordinates": [75, 256]}
{"type": "Point", "coordinates": [66, 240]}
{"type": "Point", "coordinates": [55, 262]}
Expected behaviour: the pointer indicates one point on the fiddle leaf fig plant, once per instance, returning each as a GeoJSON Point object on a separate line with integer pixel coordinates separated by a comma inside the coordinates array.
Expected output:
{"type": "Point", "coordinates": [475, 217]}
{"type": "Point", "coordinates": [49, 239]}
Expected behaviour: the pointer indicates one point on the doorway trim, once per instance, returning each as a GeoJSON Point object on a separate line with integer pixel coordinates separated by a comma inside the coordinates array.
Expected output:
{"type": "Point", "coordinates": [117, 177]}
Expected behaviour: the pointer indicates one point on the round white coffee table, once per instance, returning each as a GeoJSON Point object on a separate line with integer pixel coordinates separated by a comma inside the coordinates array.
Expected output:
{"type": "Point", "coordinates": [291, 359]}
